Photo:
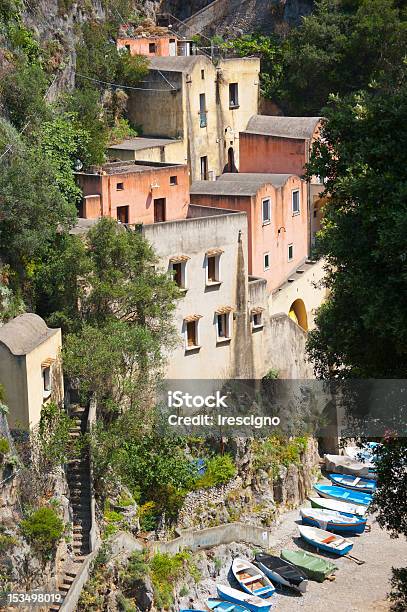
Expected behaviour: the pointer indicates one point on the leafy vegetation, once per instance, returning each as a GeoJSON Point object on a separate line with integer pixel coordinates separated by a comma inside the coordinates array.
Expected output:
{"type": "Point", "coordinates": [165, 571]}
{"type": "Point", "coordinates": [276, 451]}
{"type": "Point", "coordinates": [43, 529]}
{"type": "Point", "coordinates": [218, 470]}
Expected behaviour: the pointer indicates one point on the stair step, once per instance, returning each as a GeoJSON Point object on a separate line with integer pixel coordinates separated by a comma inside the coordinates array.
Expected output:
{"type": "Point", "coordinates": [64, 588]}
{"type": "Point", "coordinates": [79, 559]}
{"type": "Point", "coordinates": [68, 579]}
{"type": "Point", "coordinates": [71, 574]}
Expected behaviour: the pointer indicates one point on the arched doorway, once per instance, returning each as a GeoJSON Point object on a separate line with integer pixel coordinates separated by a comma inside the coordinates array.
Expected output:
{"type": "Point", "coordinates": [298, 314]}
{"type": "Point", "coordinates": [231, 166]}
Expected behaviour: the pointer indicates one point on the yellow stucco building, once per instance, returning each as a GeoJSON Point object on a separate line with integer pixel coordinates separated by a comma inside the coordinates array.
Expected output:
{"type": "Point", "coordinates": [200, 105]}
{"type": "Point", "coordinates": [30, 368]}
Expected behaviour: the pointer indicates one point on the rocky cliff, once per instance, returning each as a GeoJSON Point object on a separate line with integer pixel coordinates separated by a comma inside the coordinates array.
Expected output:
{"type": "Point", "coordinates": [226, 17]}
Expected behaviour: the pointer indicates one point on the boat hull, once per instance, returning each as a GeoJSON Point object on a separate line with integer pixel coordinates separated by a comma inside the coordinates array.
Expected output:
{"type": "Point", "coordinates": [345, 495]}
{"type": "Point", "coordinates": [344, 480]}
{"type": "Point", "coordinates": [332, 504]}
{"type": "Point", "coordinates": [349, 527]}
{"type": "Point", "coordinates": [242, 599]}
{"type": "Point", "coordinates": [311, 538]}
{"type": "Point", "coordinates": [312, 566]}
{"type": "Point", "coordinates": [265, 591]}
{"type": "Point", "coordinates": [220, 605]}
{"type": "Point", "coordinates": [277, 578]}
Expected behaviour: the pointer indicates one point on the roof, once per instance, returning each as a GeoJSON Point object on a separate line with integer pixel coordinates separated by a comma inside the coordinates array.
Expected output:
{"type": "Point", "coordinates": [236, 184]}
{"type": "Point", "coordinates": [140, 143]}
{"type": "Point", "coordinates": [128, 167]}
{"type": "Point", "coordinates": [285, 127]}
{"type": "Point", "coordinates": [24, 333]}
{"type": "Point", "coordinates": [177, 63]}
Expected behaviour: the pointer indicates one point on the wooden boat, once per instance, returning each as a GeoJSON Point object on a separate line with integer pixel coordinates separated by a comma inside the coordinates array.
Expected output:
{"type": "Point", "coordinates": [281, 572]}
{"type": "Point", "coordinates": [220, 605]}
{"type": "Point", "coordinates": [251, 602]}
{"type": "Point", "coordinates": [251, 579]}
{"type": "Point", "coordinates": [331, 520]}
{"type": "Point", "coordinates": [325, 540]}
{"type": "Point", "coordinates": [365, 485]}
{"type": "Point", "coordinates": [341, 464]}
{"type": "Point", "coordinates": [345, 495]}
{"type": "Point", "coordinates": [338, 506]}
{"type": "Point", "coordinates": [312, 566]}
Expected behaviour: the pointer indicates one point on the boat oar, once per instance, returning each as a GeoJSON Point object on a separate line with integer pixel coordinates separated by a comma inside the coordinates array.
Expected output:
{"type": "Point", "coordinates": [355, 559]}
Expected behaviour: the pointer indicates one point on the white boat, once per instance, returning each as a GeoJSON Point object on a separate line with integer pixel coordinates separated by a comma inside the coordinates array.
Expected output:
{"type": "Point", "coordinates": [251, 579]}
{"type": "Point", "coordinates": [325, 540]}
{"type": "Point", "coordinates": [251, 602]}
{"type": "Point", "coordinates": [332, 520]}
{"type": "Point", "coordinates": [338, 506]}
{"type": "Point", "coordinates": [341, 464]}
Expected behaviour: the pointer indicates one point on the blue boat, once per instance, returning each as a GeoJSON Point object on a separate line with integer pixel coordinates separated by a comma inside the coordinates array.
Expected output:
{"type": "Point", "coordinates": [219, 605]}
{"type": "Point", "coordinates": [251, 602]}
{"type": "Point", "coordinates": [337, 522]}
{"type": "Point", "coordinates": [341, 494]}
{"type": "Point", "coordinates": [324, 540]}
{"type": "Point", "coordinates": [364, 485]}
{"type": "Point", "coordinates": [190, 610]}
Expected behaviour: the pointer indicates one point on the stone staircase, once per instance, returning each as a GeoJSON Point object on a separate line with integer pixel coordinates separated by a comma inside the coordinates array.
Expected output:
{"type": "Point", "coordinates": [78, 475]}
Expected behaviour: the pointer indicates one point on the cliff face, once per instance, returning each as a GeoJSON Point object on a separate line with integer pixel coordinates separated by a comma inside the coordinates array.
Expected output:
{"type": "Point", "coordinates": [227, 17]}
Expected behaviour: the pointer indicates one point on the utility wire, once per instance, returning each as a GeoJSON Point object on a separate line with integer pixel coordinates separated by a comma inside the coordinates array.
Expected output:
{"type": "Point", "coordinates": [83, 76]}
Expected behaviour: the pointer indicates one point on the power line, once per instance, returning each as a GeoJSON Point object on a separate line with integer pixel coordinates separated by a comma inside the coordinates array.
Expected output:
{"type": "Point", "coordinates": [83, 76]}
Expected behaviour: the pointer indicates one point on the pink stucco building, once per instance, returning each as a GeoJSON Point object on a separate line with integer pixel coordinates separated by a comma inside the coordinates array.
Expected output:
{"type": "Point", "coordinates": [276, 208]}
{"type": "Point", "coordinates": [135, 192]}
{"type": "Point", "coordinates": [277, 144]}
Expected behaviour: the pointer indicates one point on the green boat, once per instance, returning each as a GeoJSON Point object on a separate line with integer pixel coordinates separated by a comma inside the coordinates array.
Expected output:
{"type": "Point", "coordinates": [314, 567]}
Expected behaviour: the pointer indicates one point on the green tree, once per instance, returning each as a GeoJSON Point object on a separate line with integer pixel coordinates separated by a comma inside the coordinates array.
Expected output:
{"type": "Point", "coordinates": [32, 207]}
{"type": "Point", "coordinates": [270, 51]}
{"type": "Point", "coordinates": [361, 330]}
{"type": "Point", "coordinates": [64, 143]}
{"type": "Point", "coordinates": [22, 94]}
{"type": "Point", "coordinates": [122, 318]}
{"type": "Point", "coordinates": [341, 47]}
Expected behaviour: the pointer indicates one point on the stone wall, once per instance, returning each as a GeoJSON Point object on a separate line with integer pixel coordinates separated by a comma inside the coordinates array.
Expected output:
{"type": "Point", "coordinates": [255, 496]}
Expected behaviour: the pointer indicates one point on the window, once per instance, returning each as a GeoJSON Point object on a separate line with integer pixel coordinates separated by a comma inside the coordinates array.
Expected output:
{"type": "Point", "coordinates": [202, 111]}
{"type": "Point", "coordinates": [266, 261]}
{"type": "Point", "coordinates": [257, 318]}
{"type": "Point", "coordinates": [152, 48]}
{"type": "Point", "coordinates": [266, 211]}
{"type": "Point", "coordinates": [192, 332]}
{"type": "Point", "coordinates": [46, 381]}
{"type": "Point", "coordinates": [173, 180]}
{"type": "Point", "coordinates": [296, 202]}
{"type": "Point", "coordinates": [290, 252]}
{"type": "Point", "coordinates": [178, 270]}
{"type": "Point", "coordinates": [233, 95]}
{"type": "Point", "coordinates": [204, 169]}
{"type": "Point", "coordinates": [159, 210]}
{"type": "Point", "coordinates": [119, 186]}
{"type": "Point", "coordinates": [202, 74]}
{"type": "Point", "coordinates": [223, 326]}
{"type": "Point", "coordinates": [213, 269]}
{"type": "Point", "coordinates": [122, 213]}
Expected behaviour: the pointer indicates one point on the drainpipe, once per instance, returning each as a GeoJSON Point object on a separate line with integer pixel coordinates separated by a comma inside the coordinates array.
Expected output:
{"type": "Point", "coordinates": [307, 155]}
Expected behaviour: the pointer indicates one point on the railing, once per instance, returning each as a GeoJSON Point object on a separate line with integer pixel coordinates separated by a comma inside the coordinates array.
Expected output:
{"type": "Point", "coordinates": [203, 120]}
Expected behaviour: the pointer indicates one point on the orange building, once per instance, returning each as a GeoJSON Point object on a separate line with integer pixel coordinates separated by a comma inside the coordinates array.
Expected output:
{"type": "Point", "coordinates": [276, 208]}
{"type": "Point", "coordinates": [164, 45]}
{"type": "Point", "coordinates": [277, 144]}
{"type": "Point", "coordinates": [135, 192]}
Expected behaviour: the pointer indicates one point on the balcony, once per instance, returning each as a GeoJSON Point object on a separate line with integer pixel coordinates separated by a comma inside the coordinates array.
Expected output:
{"type": "Point", "coordinates": [203, 120]}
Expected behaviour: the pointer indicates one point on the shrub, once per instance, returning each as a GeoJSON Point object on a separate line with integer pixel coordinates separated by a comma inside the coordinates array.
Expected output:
{"type": "Point", "coordinates": [7, 542]}
{"type": "Point", "coordinates": [148, 516]}
{"type": "Point", "coordinates": [219, 470]}
{"type": "Point", "coordinates": [135, 570]}
{"type": "Point", "coordinates": [43, 529]}
{"type": "Point", "coordinates": [276, 451]}
{"type": "Point", "coordinates": [165, 571]}
{"type": "Point", "coordinates": [4, 446]}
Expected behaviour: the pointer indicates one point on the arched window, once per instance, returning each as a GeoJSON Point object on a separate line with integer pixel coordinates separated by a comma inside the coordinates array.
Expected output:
{"type": "Point", "coordinates": [298, 314]}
